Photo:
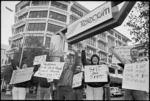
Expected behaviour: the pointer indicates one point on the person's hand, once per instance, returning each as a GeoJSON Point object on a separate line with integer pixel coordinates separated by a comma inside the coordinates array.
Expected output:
{"type": "Point", "coordinates": [74, 48]}
{"type": "Point", "coordinates": [107, 72]}
{"type": "Point", "coordinates": [84, 45]}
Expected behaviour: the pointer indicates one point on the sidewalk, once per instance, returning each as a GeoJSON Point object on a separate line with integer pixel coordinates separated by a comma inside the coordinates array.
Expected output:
{"type": "Point", "coordinates": [9, 97]}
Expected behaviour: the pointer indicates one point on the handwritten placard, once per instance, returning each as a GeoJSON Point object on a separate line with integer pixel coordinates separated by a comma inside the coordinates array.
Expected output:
{"type": "Point", "coordinates": [21, 75]}
{"type": "Point", "coordinates": [77, 80]}
{"type": "Point", "coordinates": [51, 70]}
{"type": "Point", "coordinates": [136, 76]}
{"type": "Point", "coordinates": [96, 73]}
{"type": "Point", "coordinates": [39, 59]}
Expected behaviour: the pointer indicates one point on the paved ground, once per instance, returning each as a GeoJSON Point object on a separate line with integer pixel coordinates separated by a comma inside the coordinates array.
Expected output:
{"type": "Point", "coordinates": [33, 97]}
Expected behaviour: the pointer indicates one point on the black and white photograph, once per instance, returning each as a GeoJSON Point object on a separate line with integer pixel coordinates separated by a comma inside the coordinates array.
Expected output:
{"type": "Point", "coordinates": [75, 50]}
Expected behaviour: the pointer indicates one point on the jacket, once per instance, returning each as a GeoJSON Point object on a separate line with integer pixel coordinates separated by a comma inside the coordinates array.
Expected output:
{"type": "Point", "coordinates": [66, 77]}
{"type": "Point", "coordinates": [84, 62]}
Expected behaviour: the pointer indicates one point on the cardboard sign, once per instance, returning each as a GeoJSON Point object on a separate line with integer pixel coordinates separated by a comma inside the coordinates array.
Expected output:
{"type": "Point", "coordinates": [39, 59]}
{"type": "Point", "coordinates": [136, 76]}
{"type": "Point", "coordinates": [51, 70]}
{"type": "Point", "coordinates": [49, 80]}
{"type": "Point", "coordinates": [96, 73]}
{"type": "Point", "coordinates": [21, 75]}
{"type": "Point", "coordinates": [77, 80]}
{"type": "Point", "coordinates": [124, 51]}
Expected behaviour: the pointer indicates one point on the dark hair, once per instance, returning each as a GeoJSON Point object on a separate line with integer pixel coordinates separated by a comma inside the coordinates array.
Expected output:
{"type": "Point", "coordinates": [14, 64]}
{"type": "Point", "coordinates": [95, 55]}
{"type": "Point", "coordinates": [133, 48]}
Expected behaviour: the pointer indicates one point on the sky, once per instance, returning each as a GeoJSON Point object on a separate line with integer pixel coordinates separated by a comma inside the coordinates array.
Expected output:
{"type": "Point", "coordinates": [7, 18]}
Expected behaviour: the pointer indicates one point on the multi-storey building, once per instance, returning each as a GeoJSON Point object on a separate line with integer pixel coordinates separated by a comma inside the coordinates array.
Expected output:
{"type": "Point", "coordinates": [44, 18]}
{"type": "Point", "coordinates": [4, 54]}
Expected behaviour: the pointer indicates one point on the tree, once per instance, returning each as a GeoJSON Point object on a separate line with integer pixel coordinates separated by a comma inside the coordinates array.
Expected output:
{"type": "Point", "coordinates": [33, 47]}
{"type": "Point", "coordinates": [139, 22]}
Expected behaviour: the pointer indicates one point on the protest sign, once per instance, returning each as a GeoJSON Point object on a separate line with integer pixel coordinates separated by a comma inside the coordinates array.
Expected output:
{"type": "Point", "coordinates": [39, 59]}
{"type": "Point", "coordinates": [51, 70]}
{"type": "Point", "coordinates": [49, 80]}
{"type": "Point", "coordinates": [21, 75]}
{"type": "Point", "coordinates": [136, 76]}
{"type": "Point", "coordinates": [77, 80]}
{"type": "Point", "coordinates": [96, 73]}
{"type": "Point", "coordinates": [124, 51]}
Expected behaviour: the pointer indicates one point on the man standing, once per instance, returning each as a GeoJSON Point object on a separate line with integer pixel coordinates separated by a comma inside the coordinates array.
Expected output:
{"type": "Point", "coordinates": [65, 90]}
{"type": "Point", "coordinates": [129, 93]}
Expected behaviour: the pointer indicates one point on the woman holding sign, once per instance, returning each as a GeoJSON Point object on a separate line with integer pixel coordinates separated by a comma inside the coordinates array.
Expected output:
{"type": "Point", "coordinates": [131, 94]}
{"type": "Point", "coordinates": [19, 89]}
{"type": "Point", "coordinates": [94, 90]}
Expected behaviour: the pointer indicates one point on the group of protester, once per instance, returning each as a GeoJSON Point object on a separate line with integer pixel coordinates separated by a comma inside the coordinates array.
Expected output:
{"type": "Point", "coordinates": [62, 89]}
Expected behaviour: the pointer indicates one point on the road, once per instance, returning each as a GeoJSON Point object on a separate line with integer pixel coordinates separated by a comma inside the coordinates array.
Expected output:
{"type": "Point", "coordinates": [33, 97]}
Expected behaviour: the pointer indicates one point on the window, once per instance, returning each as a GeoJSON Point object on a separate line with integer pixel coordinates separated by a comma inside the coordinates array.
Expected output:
{"type": "Point", "coordinates": [38, 14]}
{"type": "Point", "coordinates": [111, 32]}
{"type": "Point", "coordinates": [119, 37]}
{"type": "Point", "coordinates": [91, 41]}
{"type": "Point", "coordinates": [73, 19]}
{"type": "Point", "coordinates": [27, 4]}
{"type": "Point", "coordinates": [111, 70]}
{"type": "Point", "coordinates": [116, 35]}
{"type": "Point", "coordinates": [17, 43]}
{"type": "Point", "coordinates": [59, 5]}
{"type": "Point", "coordinates": [20, 29]}
{"type": "Point", "coordinates": [53, 28]}
{"type": "Point", "coordinates": [34, 41]}
{"type": "Point", "coordinates": [36, 26]}
{"type": "Point", "coordinates": [40, 3]}
{"type": "Point", "coordinates": [58, 16]}
{"type": "Point", "coordinates": [47, 43]}
{"type": "Point", "coordinates": [22, 16]}
{"type": "Point", "coordinates": [103, 56]}
{"type": "Point", "coordinates": [76, 11]}
{"type": "Point", "coordinates": [101, 45]}
{"type": "Point", "coordinates": [91, 51]}
{"type": "Point", "coordinates": [124, 40]}
{"type": "Point", "coordinates": [102, 36]}
{"type": "Point", "coordinates": [110, 42]}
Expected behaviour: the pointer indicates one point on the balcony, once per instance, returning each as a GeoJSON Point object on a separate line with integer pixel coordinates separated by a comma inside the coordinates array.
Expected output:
{"type": "Point", "coordinates": [37, 8]}
{"type": "Point", "coordinates": [19, 23]}
{"type": "Point", "coordinates": [57, 22]}
{"type": "Point", "coordinates": [36, 20]}
{"type": "Point", "coordinates": [61, 11]}
{"type": "Point", "coordinates": [22, 11]}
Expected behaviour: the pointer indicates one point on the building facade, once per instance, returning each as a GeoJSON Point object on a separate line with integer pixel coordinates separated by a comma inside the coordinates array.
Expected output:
{"type": "Point", "coordinates": [45, 18]}
{"type": "Point", "coordinates": [4, 54]}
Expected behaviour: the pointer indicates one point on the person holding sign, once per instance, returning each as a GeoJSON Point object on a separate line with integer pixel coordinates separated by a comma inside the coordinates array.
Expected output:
{"type": "Point", "coordinates": [129, 93]}
{"type": "Point", "coordinates": [44, 86]}
{"type": "Point", "coordinates": [19, 89]}
{"type": "Point", "coordinates": [65, 90]}
{"type": "Point", "coordinates": [79, 89]}
{"type": "Point", "coordinates": [94, 90]}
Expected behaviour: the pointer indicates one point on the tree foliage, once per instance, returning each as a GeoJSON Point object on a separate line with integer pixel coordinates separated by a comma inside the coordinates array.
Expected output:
{"type": "Point", "coordinates": [33, 47]}
{"type": "Point", "coordinates": [139, 22]}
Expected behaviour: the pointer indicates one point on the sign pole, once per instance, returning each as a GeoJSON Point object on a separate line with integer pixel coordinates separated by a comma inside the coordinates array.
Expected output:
{"type": "Point", "coordinates": [22, 51]}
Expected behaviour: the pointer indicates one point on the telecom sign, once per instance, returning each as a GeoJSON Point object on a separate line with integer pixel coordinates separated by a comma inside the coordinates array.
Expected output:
{"type": "Point", "coordinates": [98, 16]}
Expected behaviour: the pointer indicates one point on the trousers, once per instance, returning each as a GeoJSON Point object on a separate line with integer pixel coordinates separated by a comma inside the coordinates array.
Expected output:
{"type": "Point", "coordinates": [18, 93]}
{"type": "Point", "coordinates": [94, 93]}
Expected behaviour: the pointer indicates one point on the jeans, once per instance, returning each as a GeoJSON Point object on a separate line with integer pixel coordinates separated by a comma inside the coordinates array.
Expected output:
{"type": "Point", "coordinates": [65, 93]}
{"type": "Point", "coordinates": [135, 95]}
{"type": "Point", "coordinates": [18, 93]}
{"type": "Point", "coordinates": [44, 93]}
{"type": "Point", "coordinates": [94, 93]}
{"type": "Point", "coordinates": [78, 94]}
